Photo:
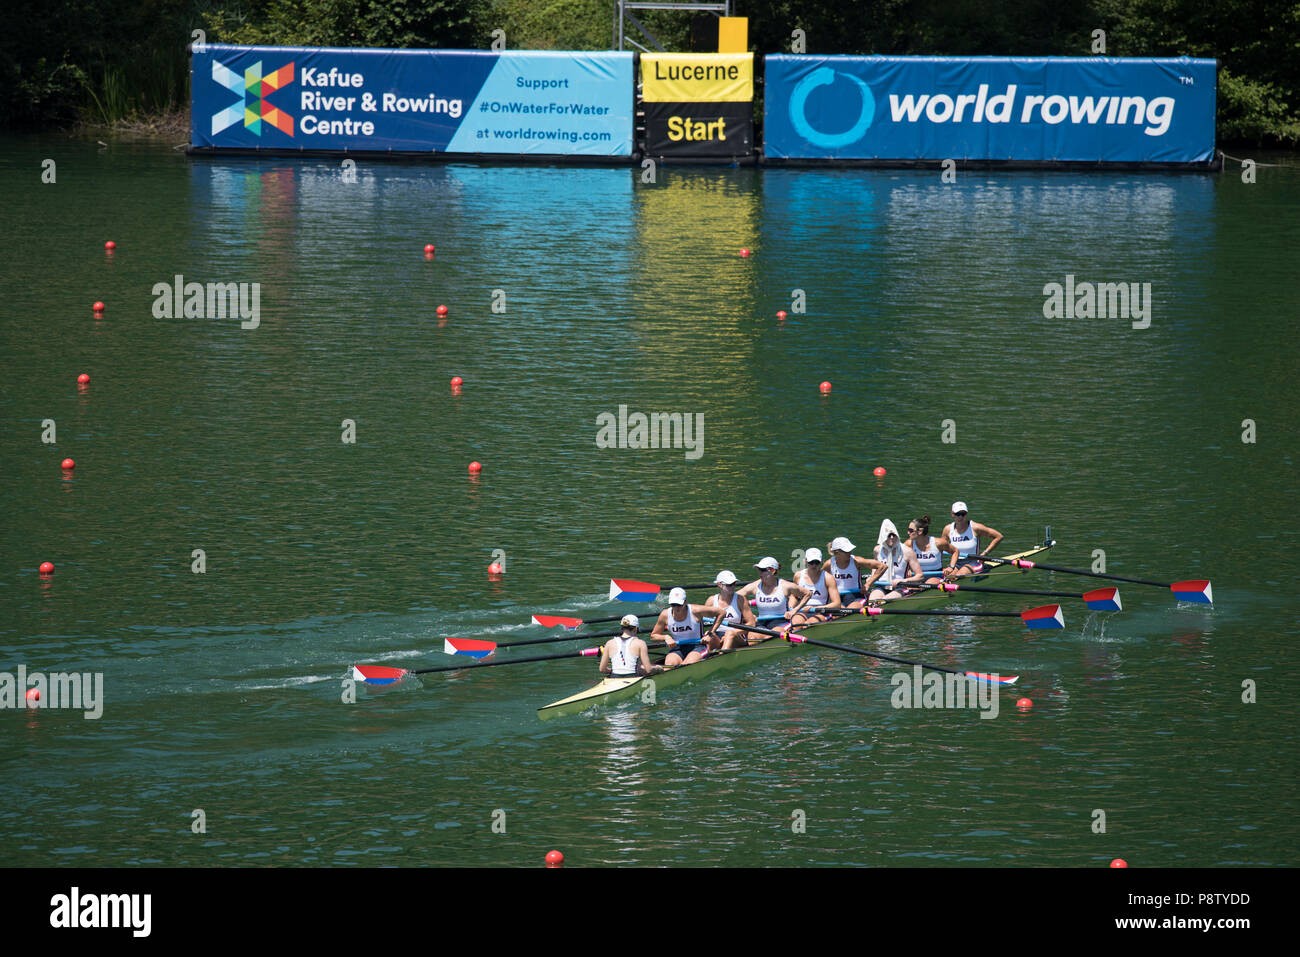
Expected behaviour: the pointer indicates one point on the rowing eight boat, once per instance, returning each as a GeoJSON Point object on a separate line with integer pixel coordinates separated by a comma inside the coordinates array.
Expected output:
{"type": "Point", "coordinates": [612, 690]}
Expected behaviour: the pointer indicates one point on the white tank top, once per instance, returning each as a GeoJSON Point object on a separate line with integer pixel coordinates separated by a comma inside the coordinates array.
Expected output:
{"type": "Point", "coordinates": [929, 558]}
{"type": "Point", "coordinates": [684, 632]}
{"type": "Point", "coordinates": [966, 543]}
{"type": "Point", "coordinates": [732, 614]}
{"type": "Point", "coordinates": [895, 564]}
{"type": "Point", "coordinates": [820, 594]}
{"type": "Point", "coordinates": [773, 605]}
{"type": "Point", "coordinates": [623, 664]}
{"type": "Point", "coordinates": [847, 579]}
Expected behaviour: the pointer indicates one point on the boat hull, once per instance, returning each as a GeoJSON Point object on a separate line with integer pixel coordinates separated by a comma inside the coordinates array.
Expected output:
{"type": "Point", "coordinates": [614, 690]}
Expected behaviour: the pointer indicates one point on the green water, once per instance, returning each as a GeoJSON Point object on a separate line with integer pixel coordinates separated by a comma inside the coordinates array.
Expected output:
{"type": "Point", "coordinates": [924, 309]}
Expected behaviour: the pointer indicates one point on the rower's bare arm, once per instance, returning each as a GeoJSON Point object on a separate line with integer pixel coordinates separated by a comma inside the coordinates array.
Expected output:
{"type": "Point", "coordinates": [604, 660]}
{"type": "Point", "coordinates": [660, 629]}
{"type": "Point", "coordinates": [834, 592]}
{"type": "Point", "coordinates": [992, 533]}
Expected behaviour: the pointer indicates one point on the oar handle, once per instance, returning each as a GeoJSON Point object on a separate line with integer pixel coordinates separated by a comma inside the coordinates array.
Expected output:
{"type": "Point", "coordinates": [584, 653]}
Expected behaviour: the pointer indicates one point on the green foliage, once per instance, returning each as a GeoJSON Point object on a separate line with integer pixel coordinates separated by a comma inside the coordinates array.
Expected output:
{"type": "Point", "coordinates": [116, 60]}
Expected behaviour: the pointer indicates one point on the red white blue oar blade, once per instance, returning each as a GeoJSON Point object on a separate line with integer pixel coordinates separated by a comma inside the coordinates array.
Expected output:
{"type": "Point", "coordinates": [993, 679]}
{"type": "Point", "coordinates": [1046, 616]}
{"type": "Point", "coordinates": [624, 589]}
{"type": "Point", "coordinates": [1194, 590]}
{"type": "Point", "coordinates": [1103, 599]}
{"type": "Point", "coordinates": [556, 621]}
{"type": "Point", "coordinates": [378, 674]}
{"type": "Point", "coordinates": [470, 647]}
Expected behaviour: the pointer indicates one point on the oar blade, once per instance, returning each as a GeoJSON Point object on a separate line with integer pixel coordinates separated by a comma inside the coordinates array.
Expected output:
{"type": "Point", "coordinates": [993, 679]}
{"type": "Point", "coordinates": [378, 674]}
{"type": "Point", "coordinates": [557, 621]}
{"type": "Point", "coordinates": [625, 589]}
{"type": "Point", "coordinates": [1197, 590]}
{"type": "Point", "coordinates": [469, 647]}
{"type": "Point", "coordinates": [1103, 599]}
{"type": "Point", "coordinates": [1045, 616]}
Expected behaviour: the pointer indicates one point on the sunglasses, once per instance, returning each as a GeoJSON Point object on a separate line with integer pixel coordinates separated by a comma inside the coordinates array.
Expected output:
{"type": "Point", "coordinates": [960, 514]}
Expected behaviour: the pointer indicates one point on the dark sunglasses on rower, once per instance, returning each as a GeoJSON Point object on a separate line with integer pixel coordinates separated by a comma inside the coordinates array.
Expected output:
{"type": "Point", "coordinates": [960, 514]}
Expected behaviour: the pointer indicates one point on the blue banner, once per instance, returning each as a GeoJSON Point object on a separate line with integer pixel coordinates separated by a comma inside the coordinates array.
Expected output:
{"type": "Point", "coordinates": [421, 101]}
{"type": "Point", "coordinates": [1035, 109]}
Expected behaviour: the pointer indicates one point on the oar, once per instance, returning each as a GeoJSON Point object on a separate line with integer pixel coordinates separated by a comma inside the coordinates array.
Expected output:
{"type": "Point", "coordinates": [1099, 599]}
{"type": "Point", "coordinates": [1045, 616]}
{"type": "Point", "coordinates": [802, 640]}
{"type": "Point", "coordinates": [625, 589]}
{"type": "Point", "coordinates": [1196, 589]}
{"type": "Point", "coordinates": [481, 648]}
{"type": "Point", "coordinates": [559, 621]}
{"type": "Point", "coordinates": [384, 675]}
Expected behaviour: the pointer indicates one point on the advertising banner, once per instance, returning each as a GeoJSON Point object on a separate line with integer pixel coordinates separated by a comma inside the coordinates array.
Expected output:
{"type": "Point", "coordinates": [454, 101]}
{"type": "Point", "coordinates": [1037, 109]}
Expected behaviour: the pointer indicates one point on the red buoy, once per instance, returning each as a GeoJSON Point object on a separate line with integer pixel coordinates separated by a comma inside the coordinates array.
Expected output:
{"type": "Point", "coordinates": [1119, 862]}
{"type": "Point", "coordinates": [780, 313]}
{"type": "Point", "coordinates": [69, 465]}
{"type": "Point", "coordinates": [457, 382]}
{"type": "Point", "coordinates": [744, 253]}
{"type": "Point", "coordinates": [554, 859]}
{"type": "Point", "coordinates": [878, 471]}
{"type": "Point", "coordinates": [1024, 704]}
{"type": "Point", "coordinates": [428, 249]}
{"type": "Point", "coordinates": [825, 387]}
{"type": "Point", "coordinates": [494, 569]}
{"type": "Point", "coordinates": [475, 468]}
{"type": "Point", "coordinates": [47, 568]}
{"type": "Point", "coordinates": [83, 379]}
{"type": "Point", "coordinates": [441, 310]}
{"type": "Point", "coordinates": [97, 307]}
{"type": "Point", "coordinates": [33, 696]}
{"type": "Point", "coordinates": [110, 245]}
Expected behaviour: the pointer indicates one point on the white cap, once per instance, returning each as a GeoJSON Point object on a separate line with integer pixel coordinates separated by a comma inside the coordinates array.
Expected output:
{"type": "Point", "coordinates": [841, 544]}
{"type": "Point", "coordinates": [959, 507]}
{"type": "Point", "coordinates": [631, 620]}
{"type": "Point", "coordinates": [725, 577]}
{"type": "Point", "coordinates": [768, 562]}
{"type": "Point", "coordinates": [813, 555]}
{"type": "Point", "coordinates": [677, 596]}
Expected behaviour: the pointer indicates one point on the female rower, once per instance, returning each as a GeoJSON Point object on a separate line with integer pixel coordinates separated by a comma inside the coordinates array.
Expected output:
{"type": "Point", "coordinates": [728, 609]}
{"type": "Point", "coordinates": [678, 626]}
{"type": "Point", "coordinates": [627, 656]}
{"type": "Point", "coordinates": [822, 596]}
{"type": "Point", "coordinates": [846, 568]}
{"type": "Point", "coordinates": [927, 549]}
{"type": "Point", "coordinates": [773, 595]}
{"type": "Point", "coordinates": [963, 537]}
{"type": "Point", "coordinates": [900, 564]}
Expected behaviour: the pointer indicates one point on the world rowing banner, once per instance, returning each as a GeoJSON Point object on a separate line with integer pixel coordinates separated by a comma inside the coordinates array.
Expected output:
{"type": "Point", "coordinates": [453, 101]}
{"type": "Point", "coordinates": [698, 104]}
{"type": "Point", "coordinates": [1032, 109]}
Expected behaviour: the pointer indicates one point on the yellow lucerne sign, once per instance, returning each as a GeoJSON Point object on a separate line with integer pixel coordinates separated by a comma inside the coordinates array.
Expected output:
{"type": "Point", "coordinates": [697, 77]}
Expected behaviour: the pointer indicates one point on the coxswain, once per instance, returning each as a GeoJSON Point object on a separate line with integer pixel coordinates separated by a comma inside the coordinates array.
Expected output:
{"type": "Point", "coordinates": [627, 655]}
{"type": "Point", "coordinates": [963, 537]}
